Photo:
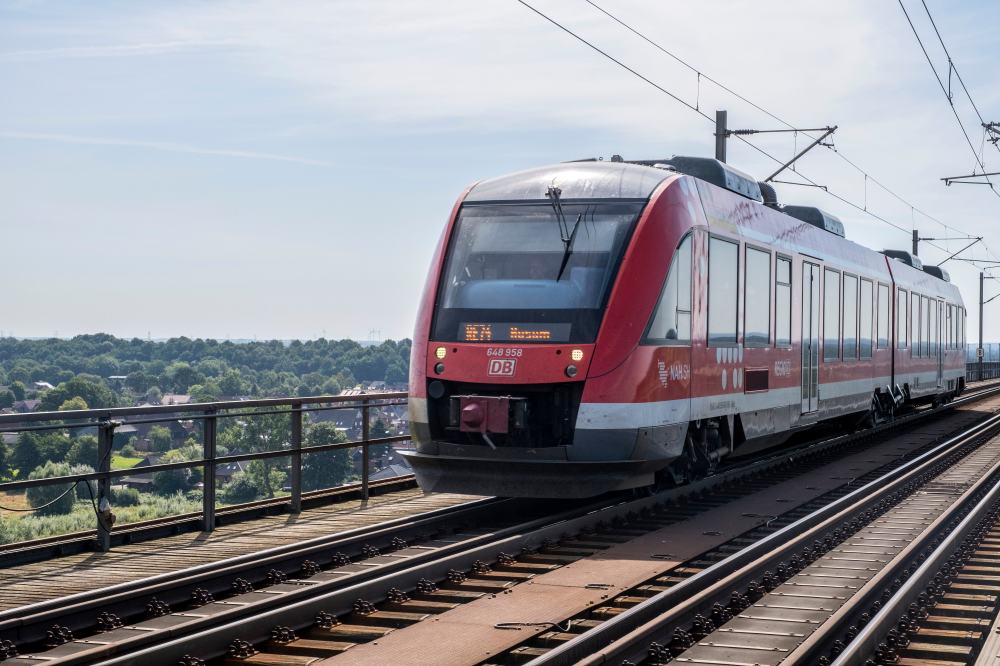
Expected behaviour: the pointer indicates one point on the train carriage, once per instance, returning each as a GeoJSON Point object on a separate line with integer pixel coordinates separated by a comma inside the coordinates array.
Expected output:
{"type": "Point", "coordinates": [595, 326]}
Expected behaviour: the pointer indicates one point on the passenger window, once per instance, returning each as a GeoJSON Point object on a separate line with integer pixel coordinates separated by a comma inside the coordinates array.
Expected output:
{"type": "Point", "coordinates": [915, 332]}
{"type": "Point", "coordinates": [865, 336]}
{"type": "Point", "coordinates": [925, 321]}
{"type": "Point", "coordinates": [831, 315]}
{"type": "Point", "coordinates": [672, 317]}
{"type": "Point", "coordinates": [757, 308]}
{"type": "Point", "coordinates": [883, 316]}
{"type": "Point", "coordinates": [723, 291]}
{"type": "Point", "coordinates": [783, 303]}
{"type": "Point", "coordinates": [901, 312]}
{"type": "Point", "coordinates": [850, 318]}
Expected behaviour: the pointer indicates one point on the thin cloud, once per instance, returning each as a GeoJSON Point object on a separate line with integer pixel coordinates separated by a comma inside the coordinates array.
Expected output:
{"type": "Point", "coordinates": [114, 50]}
{"type": "Point", "coordinates": [158, 145]}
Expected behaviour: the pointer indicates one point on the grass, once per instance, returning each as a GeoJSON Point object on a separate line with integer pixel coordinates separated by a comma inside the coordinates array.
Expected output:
{"type": "Point", "coordinates": [124, 462]}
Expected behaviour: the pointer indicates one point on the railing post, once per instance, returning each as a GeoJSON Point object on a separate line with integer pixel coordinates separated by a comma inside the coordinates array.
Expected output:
{"type": "Point", "coordinates": [105, 440]}
{"type": "Point", "coordinates": [365, 456]}
{"type": "Point", "coordinates": [210, 429]}
{"type": "Point", "coordinates": [296, 458]}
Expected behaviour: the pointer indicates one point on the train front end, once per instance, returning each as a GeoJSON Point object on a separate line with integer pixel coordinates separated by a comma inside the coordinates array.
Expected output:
{"type": "Point", "coordinates": [506, 335]}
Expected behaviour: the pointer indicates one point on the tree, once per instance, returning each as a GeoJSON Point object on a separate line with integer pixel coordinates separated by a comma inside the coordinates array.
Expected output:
{"type": "Point", "coordinates": [90, 388]}
{"type": "Point", "coordinates": [325, 469]}
{"type": "Point", "coordinates": [7, 399]}
{"type": "Point", "coordinates": [73, 403]}
{"type": "Point", "coordinates": [160, 439]}
{"type": "Point", "coordinates": [207, 392]}
{"type": "Point", "coordinates": [240, 489]}
{"type": "Point", "coordinates": [232, 384]}
{"type": "Point", "coordinates": [51, 500]}
{"type": "Point", "coordinates": [18, 389]}
{"type": "Point", "coordinates": [171, 481]}
{"type": "Point", "coordinates": [4, 461]}
{"type": "Point", "coordinates": [181, 375]}
{"type": "Point", "coordinates": [35, 448]}
{"type": "Point", "coordinates": [396, 373]}
{"type": "Point", "coordinates": [378, 431]}
{"type": "Point", "coordinates": [83, 451]}
{"type": "Point", "coordinates": [154, 395]}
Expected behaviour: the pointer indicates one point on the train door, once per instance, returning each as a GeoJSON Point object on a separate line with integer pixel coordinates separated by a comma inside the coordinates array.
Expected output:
{"type": "Point", "coordinates": [939, 326]}
{"type": "Point", "coordinates": [810, 336]}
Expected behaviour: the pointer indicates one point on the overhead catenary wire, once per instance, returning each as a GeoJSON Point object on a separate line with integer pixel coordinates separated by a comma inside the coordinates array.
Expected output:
{"type": "Point", "coordinates": [867, 176]}
{"type": "Point", "coordinates": [696, 109]}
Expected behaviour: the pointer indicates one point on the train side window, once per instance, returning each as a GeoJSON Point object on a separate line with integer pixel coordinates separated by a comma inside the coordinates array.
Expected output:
{"type": "Point", "coordinates": [831, 315]}
{"type": "Point", "coordinates": [882, 325]}
{"type": "Point", "coordinates": [949, 327]}
{"type": "Point", "coordinates": [783, 302]}
{"type": "Point", "coordinates": [723, 291]}
{"type": "Point", "coordinates": [757, 307]}
{"type": "Point", "coordinates": [671, 323]}
{"type": "Point", "coordinates": [849, 332]}
{"type": "Point", "coordinates": [925, 326]}
{"type": "Point", "coordinates": [901, 312]}
{"type": "Point", "coordinates": [865, 337]}
{"type": "Point", "coordinates": [915, 325]}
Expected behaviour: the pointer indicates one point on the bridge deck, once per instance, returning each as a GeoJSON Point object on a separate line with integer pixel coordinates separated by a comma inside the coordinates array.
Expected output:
{"type": "Point", "coordinates": [27, 584]}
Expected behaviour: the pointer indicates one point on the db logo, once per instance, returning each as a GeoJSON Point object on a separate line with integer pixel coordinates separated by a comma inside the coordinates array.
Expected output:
{"type": "Point", "coordinates": [501, 367]}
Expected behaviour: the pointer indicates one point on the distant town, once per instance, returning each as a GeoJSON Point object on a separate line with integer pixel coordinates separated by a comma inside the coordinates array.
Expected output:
{"type": "Point", "coordinates": [100, 371]}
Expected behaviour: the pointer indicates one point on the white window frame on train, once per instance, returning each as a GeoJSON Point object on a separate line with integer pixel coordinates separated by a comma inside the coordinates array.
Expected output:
{"type": "Point", "coordinates": [883, 312]}
{"type": "Point", "coordinates": [660, 315]}
{"type": "Point", "coordinates": [732, 337]}
{"type": "Point", "coordinates": [866, 332]}
{"type": "Point", "coordinates": [783, 325]}
{"type": "Point", "coordinates": [828, 326]}
{"type": "Point", "coordinates": [902, 319]}
{"type": "Point", "coordinates": [849, 300]}
{"type": "Point", "coordinates": [915, 328]}
{"type": "Point", "coordinates": [748, 312]}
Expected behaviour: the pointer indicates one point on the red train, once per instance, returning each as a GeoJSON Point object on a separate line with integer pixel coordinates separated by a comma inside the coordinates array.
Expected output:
{"type": "Point", "coordinates": [602, 325]}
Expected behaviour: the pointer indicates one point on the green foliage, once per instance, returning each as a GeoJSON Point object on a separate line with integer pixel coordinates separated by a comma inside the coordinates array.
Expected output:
{"type": "Point", "coordinates": [53, 499]}
{"type": "Point", "coordinates": [154, 395]}
{"type": "Point", "coordinates": [171, 481]}
{"type": "Point", "coordinates": [83, 451]}
{"type": "Point", "coordinates": [179, 376]}
{"type": "Point", "coordinates": [91, 389]}
{"type": "Point", "coordinates": [241, 488]}
{"type": "Point", "coordinates": [378, 431]}
{"type": "Point", "coordinates": [125, 497]}
{"type": "Point", "coordinates": [82, 491]}
{"type": "Point", "coordinates": [325, 469]}
{"type": "Point", "coordinates": [160, 439]}
{"type": "Point", "coordinates": [18, 389]}
{"type": "Point", "coordinates": [35, 448]}
{"type": "Point", "coordinates": [76, 402]}
{"type": "Point", "coordinates": [7, 399]}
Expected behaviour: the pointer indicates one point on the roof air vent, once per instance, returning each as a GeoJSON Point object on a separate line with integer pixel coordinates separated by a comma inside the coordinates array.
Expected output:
{"type": "Point", "coordinates": [817, 218]}
{"type": "Point", "coordinates": [769, 194]}
{"type": "Point", "coordinates": [711, 171]}
{"type": "Point", "coordinates": [905, 257]}
{"type": "Point", "coordinates": [937, 272]}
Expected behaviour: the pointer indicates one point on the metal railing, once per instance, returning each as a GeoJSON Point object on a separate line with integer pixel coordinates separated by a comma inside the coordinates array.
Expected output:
{"type": "Point", "coordinates": [975, 371]}
{"type": "Point", "coordinates": [106, 421]}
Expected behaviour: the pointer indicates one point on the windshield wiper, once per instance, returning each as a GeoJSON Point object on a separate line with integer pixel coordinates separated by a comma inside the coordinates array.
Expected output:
{"type": "Point", "coordinates": [569, 247]}
{"type": "Point", "coordinates": [567, 236]}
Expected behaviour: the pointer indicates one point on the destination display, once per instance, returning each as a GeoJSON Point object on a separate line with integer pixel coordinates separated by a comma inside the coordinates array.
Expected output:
{"type": "Point", "coordinates": [478, 332]}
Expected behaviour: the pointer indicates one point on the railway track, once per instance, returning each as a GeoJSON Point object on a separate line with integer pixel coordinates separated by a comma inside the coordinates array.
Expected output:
{"type": "Point", "coordinates": [260, 624]}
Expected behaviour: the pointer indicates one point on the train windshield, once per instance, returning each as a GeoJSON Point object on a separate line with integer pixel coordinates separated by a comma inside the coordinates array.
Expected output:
{"type": "Point", "coordinates": [526, 273]}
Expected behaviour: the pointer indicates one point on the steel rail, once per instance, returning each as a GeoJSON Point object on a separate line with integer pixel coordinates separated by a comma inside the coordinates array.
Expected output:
{"type": "Point", "coordinates": [25, 624]}
{"type": "Point", "coordinates": [873, 633]}
{"type": "Point", "coordinates": [628, 635]}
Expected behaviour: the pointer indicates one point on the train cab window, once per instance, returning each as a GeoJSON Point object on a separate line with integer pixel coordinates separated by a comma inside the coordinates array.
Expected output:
{"type": "Point", "coordinates": [901, 337]}
{"type": "Point", "coordinates": [831, 315]}
{"type": "Point", "coordinates": [723, 291]}
{"type": "Point", "coordinates": [783, 302]}
{"type": "Point", "coordinates": [850, 317]}
{"type": "Point", "coordinates": [757, 308]}
{"type": "Point", "coordinates": [671, 323]}
{"type": "Point", "coordinates": [882, 322]}
{"type": "Point", "coordinates": [865, 319]}
{"type": "Point", "coordinates": [915, 330]}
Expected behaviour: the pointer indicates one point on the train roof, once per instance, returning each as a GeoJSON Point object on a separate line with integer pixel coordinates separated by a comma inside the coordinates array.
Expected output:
{"type": "Point", "coordinates": [577, 180]}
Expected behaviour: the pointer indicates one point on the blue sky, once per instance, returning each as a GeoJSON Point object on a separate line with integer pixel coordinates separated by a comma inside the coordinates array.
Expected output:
{"type": "Point", "coordinates": [273, 169]}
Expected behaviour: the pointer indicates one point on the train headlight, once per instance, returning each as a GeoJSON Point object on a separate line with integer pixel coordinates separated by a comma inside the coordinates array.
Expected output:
{"type": "Point", "coordinates": [576, 354]}
{"type": "Point", "coordinates": [439, 368]}
{"type": "Point", "coordinates": [571, 370]}
{"type": "Point", "coordinates": [440, 352]}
